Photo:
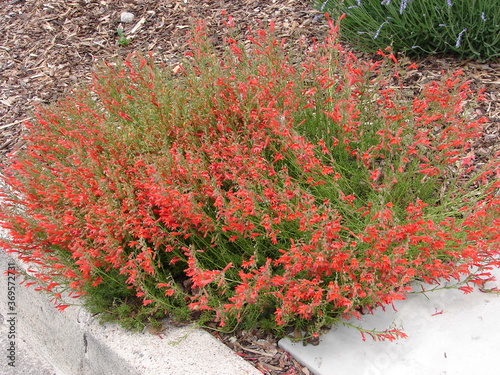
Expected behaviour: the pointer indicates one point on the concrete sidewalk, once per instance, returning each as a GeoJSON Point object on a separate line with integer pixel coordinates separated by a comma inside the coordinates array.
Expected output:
{"type": "Point", "coordinates": [74, 343]}
{"type": "Point", "coordinates": [449, 333]}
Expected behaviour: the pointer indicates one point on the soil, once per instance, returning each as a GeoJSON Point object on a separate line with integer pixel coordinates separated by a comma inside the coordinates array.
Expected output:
{"type": "Point", "coordinates": [49, 47]}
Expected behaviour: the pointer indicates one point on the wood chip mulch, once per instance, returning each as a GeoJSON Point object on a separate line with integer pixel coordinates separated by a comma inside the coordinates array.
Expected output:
{"type": "Point", "coordinates": [49, 47]}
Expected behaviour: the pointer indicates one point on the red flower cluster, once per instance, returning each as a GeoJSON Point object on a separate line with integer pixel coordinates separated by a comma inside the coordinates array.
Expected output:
{"type": "Point", "coordinates": [254, 188]}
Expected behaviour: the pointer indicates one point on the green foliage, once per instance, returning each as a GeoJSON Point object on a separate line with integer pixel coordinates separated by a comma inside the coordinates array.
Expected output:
{"type": "Point", "coordinates": [113, 301]}
{"type": "Point", "coordinates": [465, 28]}
{"type": "Point", "coordinates": [122, 40]}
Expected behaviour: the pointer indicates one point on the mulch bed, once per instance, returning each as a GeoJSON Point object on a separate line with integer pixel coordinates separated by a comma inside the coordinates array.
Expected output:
{"type": "Point", "coordinates": [49, 47]}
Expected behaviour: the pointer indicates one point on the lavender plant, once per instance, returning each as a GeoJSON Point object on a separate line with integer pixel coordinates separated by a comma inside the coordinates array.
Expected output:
{"type": "Point", "coordinates": [466, 28]}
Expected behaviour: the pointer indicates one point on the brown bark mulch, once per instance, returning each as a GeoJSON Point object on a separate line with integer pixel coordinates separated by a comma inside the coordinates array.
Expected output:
{"type": "Point", "coordinates": [49, 47]}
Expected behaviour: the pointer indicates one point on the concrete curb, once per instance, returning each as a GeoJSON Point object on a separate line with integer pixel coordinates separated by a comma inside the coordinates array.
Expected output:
{"type": "Point", "coordinates": [74, 343]}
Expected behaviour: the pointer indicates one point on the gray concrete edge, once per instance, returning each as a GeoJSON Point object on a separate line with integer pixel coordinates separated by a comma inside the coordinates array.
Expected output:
{"type": "Point", "coordinates": [74, 343]}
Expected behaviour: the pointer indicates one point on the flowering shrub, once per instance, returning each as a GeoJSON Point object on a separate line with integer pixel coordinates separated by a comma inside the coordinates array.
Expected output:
{"type": "Point", "coordinates": [470, 29]}
{"type": "Point", "coordinates": [248, 190]}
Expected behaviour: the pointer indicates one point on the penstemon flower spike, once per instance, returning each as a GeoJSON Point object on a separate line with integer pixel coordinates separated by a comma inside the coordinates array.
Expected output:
{"type": "Point", "coordinates": [252, 191]}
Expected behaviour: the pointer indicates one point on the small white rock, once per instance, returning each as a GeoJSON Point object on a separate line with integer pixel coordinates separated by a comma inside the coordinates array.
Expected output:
{"type": "Point", "coordinates": [126, 17]}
